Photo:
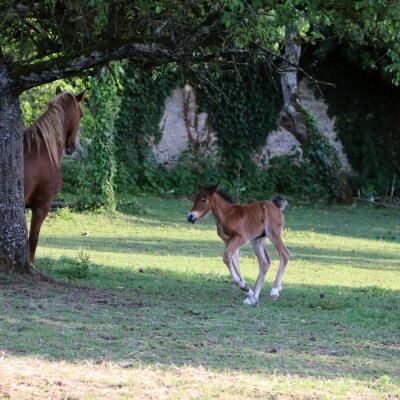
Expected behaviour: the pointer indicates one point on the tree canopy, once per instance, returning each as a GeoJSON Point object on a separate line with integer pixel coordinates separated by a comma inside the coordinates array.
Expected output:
{"type": "Point", "coordinates": [50, 39]}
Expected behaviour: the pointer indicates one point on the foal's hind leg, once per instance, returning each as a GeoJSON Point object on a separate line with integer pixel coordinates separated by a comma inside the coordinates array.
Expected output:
{"type": "Point", "coordinates": [275, 238]}
{"type": "Point", "coordinates": [39, 213]}
{"type": "Point", "coordinates": [263, 263]}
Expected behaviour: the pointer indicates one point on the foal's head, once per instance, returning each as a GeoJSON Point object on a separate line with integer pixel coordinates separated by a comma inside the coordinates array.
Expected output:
{"type": "Point", "coordinates": [202, 203]}
{"type": "Point", "coordinates": [73, 115]}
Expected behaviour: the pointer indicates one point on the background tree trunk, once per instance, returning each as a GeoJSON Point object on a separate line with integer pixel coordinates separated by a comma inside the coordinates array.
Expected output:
{"type": "Point", "coordinates": [13, 232]}
{"type": "Point", "coordinates": [292, 115]}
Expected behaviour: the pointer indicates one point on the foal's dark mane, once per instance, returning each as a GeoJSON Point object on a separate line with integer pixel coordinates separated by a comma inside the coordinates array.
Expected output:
{"type": "Point", "coordinates": [211, 189]}
{"type": "Point", "coordinates": [225, 196]}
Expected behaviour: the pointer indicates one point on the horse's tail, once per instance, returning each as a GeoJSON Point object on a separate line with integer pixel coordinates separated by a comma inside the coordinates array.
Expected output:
{"type": "Point", "coordinates": [280, 202]}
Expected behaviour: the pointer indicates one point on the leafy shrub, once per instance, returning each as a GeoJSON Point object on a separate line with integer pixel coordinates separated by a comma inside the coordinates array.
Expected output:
{"type": "Point", "coordinates": [34, 101]}
{"type": "Point", "coordinates": [100, 172]}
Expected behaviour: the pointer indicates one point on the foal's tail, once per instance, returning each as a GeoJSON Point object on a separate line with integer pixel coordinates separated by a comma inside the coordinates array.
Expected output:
{"type": "Point", "coordinates": [280, 202]}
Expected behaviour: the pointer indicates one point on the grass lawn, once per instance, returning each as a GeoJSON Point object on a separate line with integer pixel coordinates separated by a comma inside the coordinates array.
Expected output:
{"type": "Point", "coordinates": [157, 316]}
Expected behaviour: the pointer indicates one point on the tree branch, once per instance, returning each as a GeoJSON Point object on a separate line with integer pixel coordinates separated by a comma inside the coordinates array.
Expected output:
{"type": "Point", "coordinates": [31, 75]}
{"type": "Point", "coordinates": [220, 56]}
{"type": "Point", "coordinates": [153, 51]}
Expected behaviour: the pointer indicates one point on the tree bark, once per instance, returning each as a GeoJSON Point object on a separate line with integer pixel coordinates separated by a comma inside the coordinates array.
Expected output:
{"type": "Point", "coordinates": [292, 116]}
{"type": "Point", "coordinates": [13, 232]}
{"type": "Point", "coordinates": [34, 74]}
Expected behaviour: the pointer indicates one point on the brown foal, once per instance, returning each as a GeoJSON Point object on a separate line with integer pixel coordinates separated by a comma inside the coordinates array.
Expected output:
{"type": "Point", "coordinates": [238, 224]}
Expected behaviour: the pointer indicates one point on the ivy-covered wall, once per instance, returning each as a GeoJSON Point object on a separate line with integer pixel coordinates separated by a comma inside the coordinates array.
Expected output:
{"type": "Point", "coordinates": [137, 124]}
{"type": "Point", "coordinates": [243, 109]}
{"type": "Point", "coordinates": [242, 106]}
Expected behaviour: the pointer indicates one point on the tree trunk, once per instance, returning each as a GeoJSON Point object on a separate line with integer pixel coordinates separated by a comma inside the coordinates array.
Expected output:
{"type": "Point", "coordinates": [292, 115]}
{"type": "Point", "coordinates": [13, 232]}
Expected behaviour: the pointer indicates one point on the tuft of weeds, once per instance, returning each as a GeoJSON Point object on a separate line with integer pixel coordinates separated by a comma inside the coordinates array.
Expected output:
{"type": "Point", "coordinates": [78, 268]}
{"type": "Point", "coordinates": [325, 304]}
{"type": "Point", "coordinates": [62, 213]}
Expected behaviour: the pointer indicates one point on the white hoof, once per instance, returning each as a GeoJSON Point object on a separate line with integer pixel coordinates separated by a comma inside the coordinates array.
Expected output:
{"type": "Point", "coordinates": [247, 301]}
{"type": "Point", "coordinates": [250, 301]}
{"type": "Point", "coordinates": [274, 293]}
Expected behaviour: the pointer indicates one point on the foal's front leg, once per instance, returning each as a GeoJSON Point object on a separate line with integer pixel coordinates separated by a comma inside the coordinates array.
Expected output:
{"type": "Point", "coordinates": [251, 298]}
{"type": "Point", "coordinates": [231, 259]}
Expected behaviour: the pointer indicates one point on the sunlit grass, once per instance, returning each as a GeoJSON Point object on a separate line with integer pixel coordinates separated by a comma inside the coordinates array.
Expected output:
{"type": "Point", "coordinates": [157, 315]}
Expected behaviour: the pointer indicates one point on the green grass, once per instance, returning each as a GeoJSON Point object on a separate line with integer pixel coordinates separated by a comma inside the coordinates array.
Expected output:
{"type": "Point", "coordinates": [148, 310]}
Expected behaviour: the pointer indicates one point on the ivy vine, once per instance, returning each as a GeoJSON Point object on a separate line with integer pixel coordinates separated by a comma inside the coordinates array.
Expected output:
{"type": "Point", "coordinates": [138, 123]}
{"type": "Point", "coordinates": [243, 110]}
{"type": "Point", "coordinates": [104, 105]}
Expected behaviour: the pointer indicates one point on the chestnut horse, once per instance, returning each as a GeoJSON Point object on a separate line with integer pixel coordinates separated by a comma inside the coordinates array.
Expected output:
{"type": "Point", "coordinates": [44, 144]}
{"type": "Point", "coordinates": [238, 224]}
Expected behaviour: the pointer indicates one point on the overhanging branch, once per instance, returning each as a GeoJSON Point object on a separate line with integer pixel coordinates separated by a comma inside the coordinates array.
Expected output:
{"type": "Point", "coordinates": [31, 75]}
{"type": "Point", "coordinates": [143, 49]}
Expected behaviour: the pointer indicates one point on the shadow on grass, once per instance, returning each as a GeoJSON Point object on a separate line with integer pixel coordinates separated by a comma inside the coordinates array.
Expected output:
{"type": "Point", "coordinates": [153, 316]}
{"type": "Point", "coordinates": [208, 248]}
{"type": "Point", "coordinates": [359, 222]}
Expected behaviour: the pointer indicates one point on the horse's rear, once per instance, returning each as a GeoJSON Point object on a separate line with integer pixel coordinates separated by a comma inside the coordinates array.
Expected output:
{"type": "Point", "coordinates": [42, 179]}
{"type": "Point", "coordinates": [44, 144]}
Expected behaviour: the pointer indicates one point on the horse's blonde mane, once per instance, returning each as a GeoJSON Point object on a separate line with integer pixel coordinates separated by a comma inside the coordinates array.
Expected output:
{"type": "Point", "coordinates": [48, 129]}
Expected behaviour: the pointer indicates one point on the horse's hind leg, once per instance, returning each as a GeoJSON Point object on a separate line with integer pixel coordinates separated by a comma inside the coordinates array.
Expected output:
{"type": "Point", "coordinates": [283, 260]}
{"type": "Point", "coordinates": [263, 263]}
{"type": "Point", "coordinates": [39, 213]}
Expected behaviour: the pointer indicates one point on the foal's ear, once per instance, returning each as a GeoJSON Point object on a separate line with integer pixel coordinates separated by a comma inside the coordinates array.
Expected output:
{"type": "Point", "coordinates": [212, 189]}
{"type": "Point", "coordinates": [59, 90]}
{"type": "Point", "coordinates": [81, 96]}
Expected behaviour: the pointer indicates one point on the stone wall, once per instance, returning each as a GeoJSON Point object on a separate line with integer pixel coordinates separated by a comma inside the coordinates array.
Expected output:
{"type": "Point", "coordinates": [183, 125]}
{"type": "Point", "coordinates": [325, 124]}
